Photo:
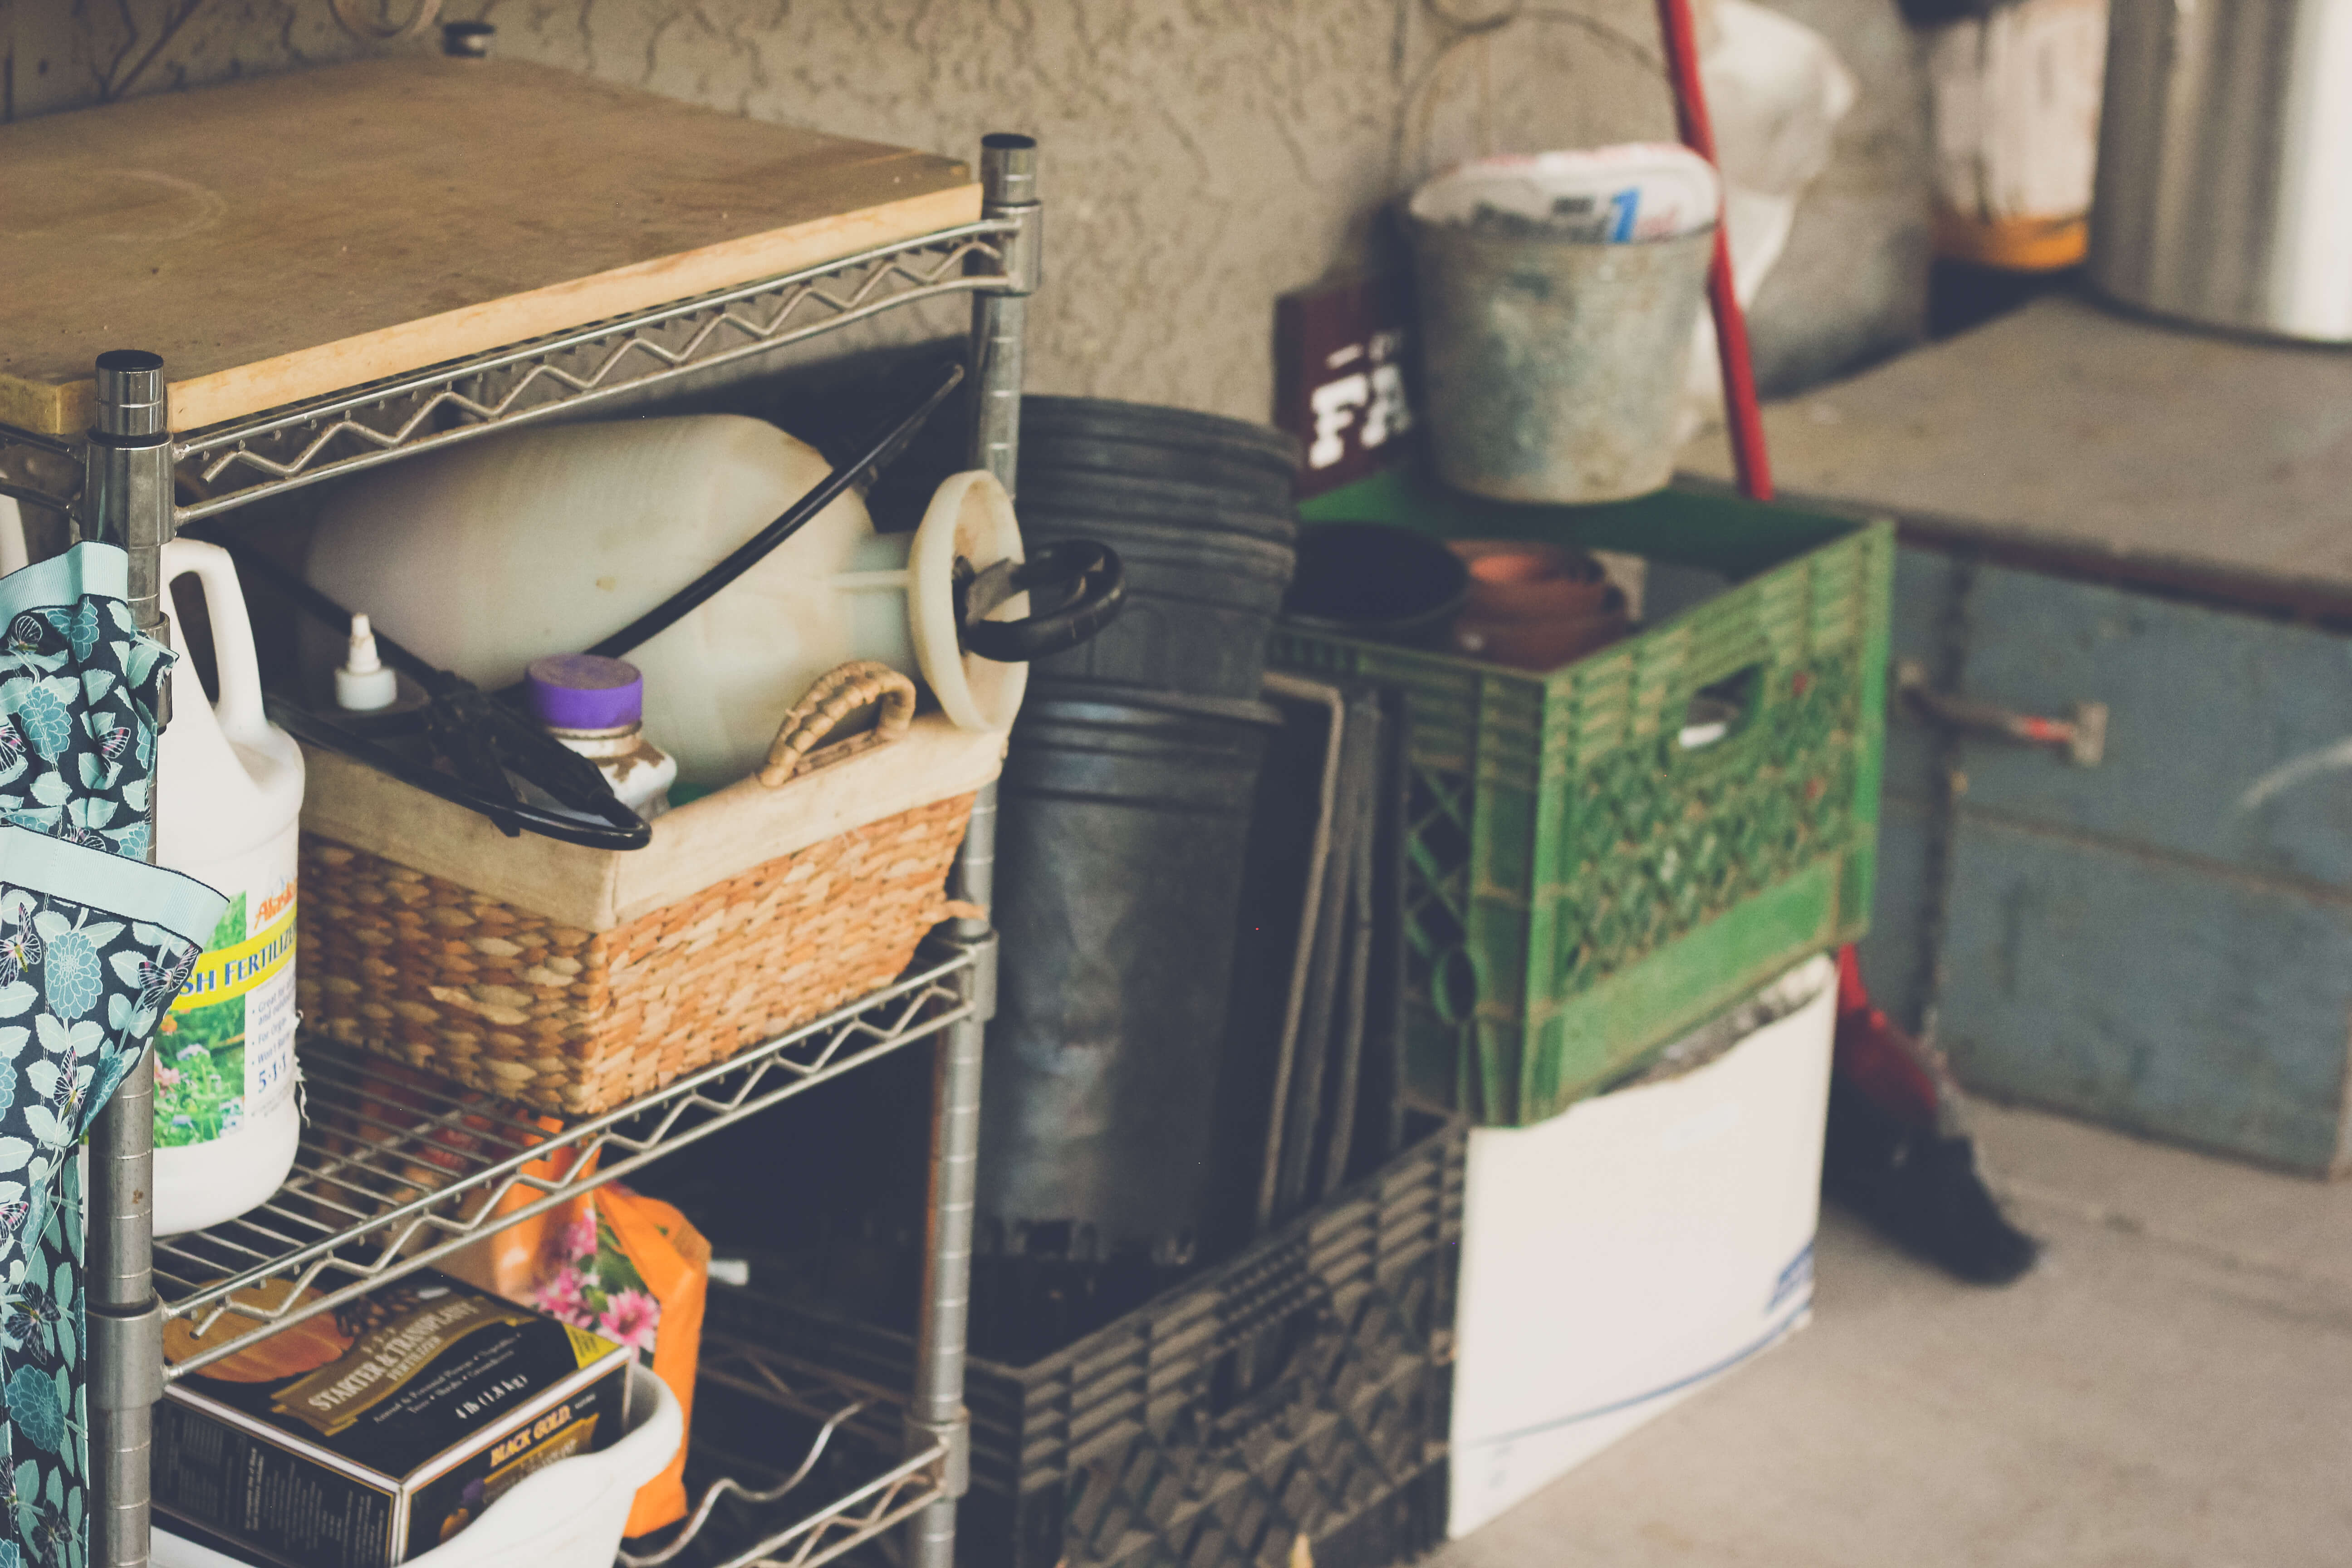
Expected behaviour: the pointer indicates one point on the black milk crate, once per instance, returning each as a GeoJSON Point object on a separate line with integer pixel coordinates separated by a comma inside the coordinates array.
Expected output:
{"type": "Point", "coordinates": [1301, 1389]}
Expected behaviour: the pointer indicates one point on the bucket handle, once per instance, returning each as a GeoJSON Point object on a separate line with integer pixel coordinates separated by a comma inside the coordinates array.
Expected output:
{"type": "Point", "coordinates": [1473, 38]}
{"type": "Point", "coordinates": [836, 694]}
{"type": "Point", "coordinates": [239, 710]}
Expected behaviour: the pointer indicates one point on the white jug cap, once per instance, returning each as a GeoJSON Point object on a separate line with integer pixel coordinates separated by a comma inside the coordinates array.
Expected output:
{"type": "Point", "coordinates": [969, 518]}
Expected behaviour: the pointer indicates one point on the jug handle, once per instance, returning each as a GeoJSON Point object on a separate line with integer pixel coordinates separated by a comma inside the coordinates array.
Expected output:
{"type": "Point", "coordinates": [240, 709]}
{"type": "Point", "coordinates": [839, 692]}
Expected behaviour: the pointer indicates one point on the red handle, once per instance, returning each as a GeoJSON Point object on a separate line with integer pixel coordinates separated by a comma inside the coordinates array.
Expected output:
{"type": "Point", "coordinates": [1755, 471]}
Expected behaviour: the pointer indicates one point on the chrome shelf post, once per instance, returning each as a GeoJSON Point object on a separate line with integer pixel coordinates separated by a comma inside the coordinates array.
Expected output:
{"type": "Point", "coordinates": [1008, 175]}
{"type": "Point", "coordinates": [126, 500]}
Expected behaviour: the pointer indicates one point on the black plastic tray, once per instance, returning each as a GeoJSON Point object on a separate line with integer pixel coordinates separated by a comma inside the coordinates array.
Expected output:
{"type": "Point", "coordinates": [1300, 1389]}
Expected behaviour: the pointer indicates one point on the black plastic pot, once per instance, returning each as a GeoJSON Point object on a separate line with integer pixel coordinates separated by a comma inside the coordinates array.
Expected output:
{"type": "Point", "coordinates": [1093, 435]}
{"type": "Point", "coordinates": [1198, 509]}
{"type": "Point", "coordinates": [1199, 605]}
{"type": "Point", "coordinates": [1122, 823]}
{"type": "Point", "coordinates": [1178, 502]}
{"type": "Point", "coordinates": [1374, 579]}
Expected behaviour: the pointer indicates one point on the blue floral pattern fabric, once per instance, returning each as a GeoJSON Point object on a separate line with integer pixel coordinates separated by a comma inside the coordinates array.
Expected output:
{"type": "Point", "coordinates": [79, 684]}
{"type": "Point", "coordinates": [86, 979]}
{"type": "Point", "coordinates": [42, 1344]}
{"type": "Point", "coordinates": [94, 945]}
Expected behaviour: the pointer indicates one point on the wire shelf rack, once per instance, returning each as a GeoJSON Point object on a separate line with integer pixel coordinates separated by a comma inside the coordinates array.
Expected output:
{"type": "Point", "coordinates": [232, 464]}
{"type": "Point", "coordinates": [746, 1512]}
{"type": "Point", "coordinates": [44, 469]}
{"type": "Point", "coordinates": [397, 1169]}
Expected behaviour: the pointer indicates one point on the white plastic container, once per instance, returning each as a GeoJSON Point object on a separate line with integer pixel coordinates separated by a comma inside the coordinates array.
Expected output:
{"type": "Point", "coordinates": [546, 541]}
{"type": "Point", "coordinates": [569, 1515]}
{"type": "Point", "coordinates": [228, 812]}
{"type": "Point", "coordinates": [1629, 194]}
{"type": "Point", "coordinates": [596, 707]}
{"type": "Point", "coordinates": [1625, 1254]}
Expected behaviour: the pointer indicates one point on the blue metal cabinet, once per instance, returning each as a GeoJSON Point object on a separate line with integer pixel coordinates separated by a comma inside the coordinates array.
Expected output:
{"type": "Point", "coordinates": [2163, 941]}
{"type": "Point", "coordinates": [2102, 507]}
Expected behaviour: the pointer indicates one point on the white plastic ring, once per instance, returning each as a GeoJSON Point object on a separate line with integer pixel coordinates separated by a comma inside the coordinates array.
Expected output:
{"type": "Point", "coordinates": [969, 518]}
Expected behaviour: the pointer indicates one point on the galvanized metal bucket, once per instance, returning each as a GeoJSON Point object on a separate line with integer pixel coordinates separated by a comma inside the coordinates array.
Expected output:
{"type": "Point", "coordinates": [1553, 366]}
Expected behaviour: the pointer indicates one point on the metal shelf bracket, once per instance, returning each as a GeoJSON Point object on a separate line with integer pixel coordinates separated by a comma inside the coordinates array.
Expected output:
{"type": "Point", "coordinates": [240, 462]}
{"type": "Point", "coordinates": [398, 1169]}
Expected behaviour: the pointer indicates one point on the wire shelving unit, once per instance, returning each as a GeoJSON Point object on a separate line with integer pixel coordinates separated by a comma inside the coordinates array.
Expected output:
{"type": "Point", "coordinates": [398, 1169]}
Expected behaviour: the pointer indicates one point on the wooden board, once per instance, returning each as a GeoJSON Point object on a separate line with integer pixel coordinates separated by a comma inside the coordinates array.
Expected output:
{"type": "Point", "coordinates": [282, 238]}
{"type": "Point", "coordinates": [702, 842]}
{"type": "Point", "coordinates": [2146, 452]}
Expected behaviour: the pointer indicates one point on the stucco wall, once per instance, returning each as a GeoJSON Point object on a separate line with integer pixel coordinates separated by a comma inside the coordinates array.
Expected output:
{"type": "Point", "coordinates": [1200, 155]}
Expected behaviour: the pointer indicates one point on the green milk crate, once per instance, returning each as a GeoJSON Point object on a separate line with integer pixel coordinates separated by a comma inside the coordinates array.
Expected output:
{"type": "Point", "coordinates": [1581, 887]}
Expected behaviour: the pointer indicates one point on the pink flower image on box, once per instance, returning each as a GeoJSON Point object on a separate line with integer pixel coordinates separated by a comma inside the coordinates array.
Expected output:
{"type": "Point", "coordinates": [630, 1319]}
{"type": "Point", "coordinates": [560, 1295]}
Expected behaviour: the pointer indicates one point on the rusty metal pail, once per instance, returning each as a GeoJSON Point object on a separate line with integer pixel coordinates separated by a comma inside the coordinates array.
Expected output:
{"type": "Point", "coordinates": [1554, 365]}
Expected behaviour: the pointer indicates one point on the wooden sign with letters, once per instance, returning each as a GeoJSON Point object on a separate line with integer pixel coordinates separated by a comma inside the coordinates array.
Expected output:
{"type": "Point", "coordinates": [1339, 377]}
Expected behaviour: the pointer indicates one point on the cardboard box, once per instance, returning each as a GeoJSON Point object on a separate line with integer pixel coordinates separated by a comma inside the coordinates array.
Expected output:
{"type": "Point", "coordinates": [1623, 1254]}
{"type": "Point", "coordinates": [365, 1436]}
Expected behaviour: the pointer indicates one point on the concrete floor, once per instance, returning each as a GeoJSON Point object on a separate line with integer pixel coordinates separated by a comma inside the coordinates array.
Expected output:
{"type": "Point", "coordinates": [2173, 1386]}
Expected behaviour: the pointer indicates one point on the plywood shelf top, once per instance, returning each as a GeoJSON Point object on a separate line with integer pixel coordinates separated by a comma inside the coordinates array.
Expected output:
{"type": "Point", "coordinates": [282, 238]}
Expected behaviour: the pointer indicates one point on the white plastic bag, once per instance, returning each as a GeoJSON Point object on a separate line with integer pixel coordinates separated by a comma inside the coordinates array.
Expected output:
{"type": "Point", "coordinates": [1775, 93]}
{"type": "Point", "coordinates": [1633, 192]}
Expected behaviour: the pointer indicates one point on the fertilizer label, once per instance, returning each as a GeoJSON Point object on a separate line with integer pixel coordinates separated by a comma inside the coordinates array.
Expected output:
{"type": "Point", "coordinates": [227, 1052]}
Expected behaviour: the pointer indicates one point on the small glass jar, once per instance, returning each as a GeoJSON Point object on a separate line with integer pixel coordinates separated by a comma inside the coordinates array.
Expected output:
{"type": "Point", "coordinates": [596, 708]}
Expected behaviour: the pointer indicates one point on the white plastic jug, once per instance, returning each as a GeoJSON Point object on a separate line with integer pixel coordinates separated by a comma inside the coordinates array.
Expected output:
{"type": "Point", "coordinates": [228, 809]}
{"type": "Point", "coordinates": [487, 556]}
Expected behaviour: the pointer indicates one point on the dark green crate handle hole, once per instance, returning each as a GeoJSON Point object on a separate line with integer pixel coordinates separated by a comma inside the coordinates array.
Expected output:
{"type": "Point", "coordinates": [1454, 985]}
{"type": "Point", "coordinates": [1718, 714]}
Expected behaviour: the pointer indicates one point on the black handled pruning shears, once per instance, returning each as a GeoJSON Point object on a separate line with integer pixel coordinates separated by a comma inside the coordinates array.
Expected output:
{"type": "Point", "coordinates": [472, 742]}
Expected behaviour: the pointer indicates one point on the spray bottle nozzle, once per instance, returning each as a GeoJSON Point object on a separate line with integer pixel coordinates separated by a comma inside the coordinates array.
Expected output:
{"type": "Point", "coordinates": [363, 685]}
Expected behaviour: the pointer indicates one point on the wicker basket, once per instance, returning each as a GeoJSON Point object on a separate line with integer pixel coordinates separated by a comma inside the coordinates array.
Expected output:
{"type": "Point", "coordinates": [575, 979]}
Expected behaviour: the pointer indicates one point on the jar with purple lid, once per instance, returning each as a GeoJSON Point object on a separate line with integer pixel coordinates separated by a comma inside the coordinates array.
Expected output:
{"type": "Point", "coordinates": [596, 707]}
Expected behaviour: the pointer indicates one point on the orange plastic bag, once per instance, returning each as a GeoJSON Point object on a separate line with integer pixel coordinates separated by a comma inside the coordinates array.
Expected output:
{"type": "Point", "coordinates": [626, 1266]}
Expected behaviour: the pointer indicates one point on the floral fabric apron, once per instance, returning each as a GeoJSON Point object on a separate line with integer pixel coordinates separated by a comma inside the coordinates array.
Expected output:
{"type": "Point", "coordinates": [94, 943]}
